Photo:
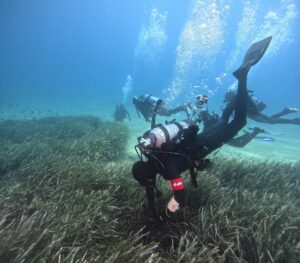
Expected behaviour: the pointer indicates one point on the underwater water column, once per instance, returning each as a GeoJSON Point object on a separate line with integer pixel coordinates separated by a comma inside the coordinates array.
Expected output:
{"type": "Point", "coordinates": [149, 48]}
{"type": "Point", "coordinates": [201, 39]}
{"type": "Point", "coordinates": [152, 39]}
{"type": "Point", "coordinates": [257, 23]}
{"type": "Point", "coordinates": [126, 89]}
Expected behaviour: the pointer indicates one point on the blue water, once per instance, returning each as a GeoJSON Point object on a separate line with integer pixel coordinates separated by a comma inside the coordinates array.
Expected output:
{"type": "Point", "coordinates": [75, 51]}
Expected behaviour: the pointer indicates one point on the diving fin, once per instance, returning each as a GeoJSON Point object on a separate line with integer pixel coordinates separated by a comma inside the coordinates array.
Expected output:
{"type": "Point", "coordinates": [253, 55]}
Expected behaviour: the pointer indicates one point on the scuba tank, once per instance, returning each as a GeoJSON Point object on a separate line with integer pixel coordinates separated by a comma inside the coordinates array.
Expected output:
{"type": "Point", "coordinates": [260, 105]}
{"type": "Point", "coordinates": [160, 135]}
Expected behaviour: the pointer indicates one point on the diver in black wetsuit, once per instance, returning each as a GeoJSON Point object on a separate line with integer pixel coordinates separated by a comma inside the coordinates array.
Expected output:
{"type": "Point", "coordinates": [121, 113]}
{"type": "Point", "coordinates": [145, 104]}
{"type": "Point", "coordinates": [170, 155]}
{"type": "Point", "coordinates": [256, 106]}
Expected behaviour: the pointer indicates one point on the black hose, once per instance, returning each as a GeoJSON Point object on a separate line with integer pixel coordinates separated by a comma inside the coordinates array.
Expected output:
{"type": "Point", "coordinates": [139, 154]}
{"type": "Point", "coordinates": [158, 104]}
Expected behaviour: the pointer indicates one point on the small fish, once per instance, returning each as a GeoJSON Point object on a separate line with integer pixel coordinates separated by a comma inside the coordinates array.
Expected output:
{"type": "Point", "coordinates": [265, 138]}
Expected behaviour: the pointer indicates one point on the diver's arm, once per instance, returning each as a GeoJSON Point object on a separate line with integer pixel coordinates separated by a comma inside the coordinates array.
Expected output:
{"type": "Point", "coordinates": [177, 201]}
{"type": "Point", "coordinates": [262, 118]}
{"type": "Point", "coordinates": [283, 112]}
{"type": "Point", "coordinates": [164, 111]}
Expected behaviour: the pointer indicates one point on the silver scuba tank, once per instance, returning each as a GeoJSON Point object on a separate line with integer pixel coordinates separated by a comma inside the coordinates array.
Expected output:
{"type": "Point", "coordinates": [162, 134]}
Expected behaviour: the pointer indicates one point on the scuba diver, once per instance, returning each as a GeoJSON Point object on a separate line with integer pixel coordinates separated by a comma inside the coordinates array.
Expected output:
{"type": "Point", "coordinates": [256, 106]}
{"type": "Point", "coordinates": [176, 147]}
{"type": "Point", "coordinates": [121, 113]}
{"type": "Point", "coordinates": [145, 104]}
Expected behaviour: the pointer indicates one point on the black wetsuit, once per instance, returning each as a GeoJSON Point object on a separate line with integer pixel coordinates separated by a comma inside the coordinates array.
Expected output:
{"type": "Point", "coordinates": [170, 166]}
{"type": "Point", "coordinates": [216, 135]}
{"type": "Point", "coordinates": [145, 104]}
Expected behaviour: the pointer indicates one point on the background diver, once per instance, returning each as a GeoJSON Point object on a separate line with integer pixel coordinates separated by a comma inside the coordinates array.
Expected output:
{"type": "Point", "coordinates": [145, 104]}
{"type": "Point", "coordinates": [203, 115]}
{"type": "Point", "coordinates": [256, 106]}
{"type": "Point", "coordinates": [169, 154]}
{"type": "Point", "coordinates": [121, 113]}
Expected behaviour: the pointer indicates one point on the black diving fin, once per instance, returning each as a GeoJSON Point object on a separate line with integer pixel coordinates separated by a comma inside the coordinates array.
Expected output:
{"type": "Point", "coordinates": [253, 55]}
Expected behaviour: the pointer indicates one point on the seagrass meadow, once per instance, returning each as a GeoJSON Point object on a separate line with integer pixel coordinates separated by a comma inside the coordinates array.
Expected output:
{"type": "Point", "coordinates": [67, 195]}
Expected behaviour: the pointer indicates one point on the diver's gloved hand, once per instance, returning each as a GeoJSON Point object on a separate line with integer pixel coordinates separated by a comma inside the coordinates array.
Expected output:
{"type": "Point", "coordinates": [170, 212]}
{"type": "Point", "coordinates": [173, 205]}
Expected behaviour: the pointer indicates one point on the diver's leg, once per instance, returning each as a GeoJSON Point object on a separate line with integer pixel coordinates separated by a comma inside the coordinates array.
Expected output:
{"type": "Point", "coordinates": [240, 141]}
{"type": "Point", "coordinates": [220, 133]}
{"type": "Point", "coordinates": [237, 104]}
{"type": "Point", "coordinates": [164, 111]}
{"type": "Point", "coordinates": [295, 121]}
{"type": "Point", "coordinates": [244, 139]}
{"type": "Point", "coordinates": [227, 112]}
{"type": "Point", "coordinates": [266, 119]}
{"type": "Point", "coordinates": [284, 112]}
{"type": "Point", "coordinates": [279, 114]}
{"type": "Point", "coordinates": [217, 135]}
{"type": "Point", "coordinates": [262, 118]}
